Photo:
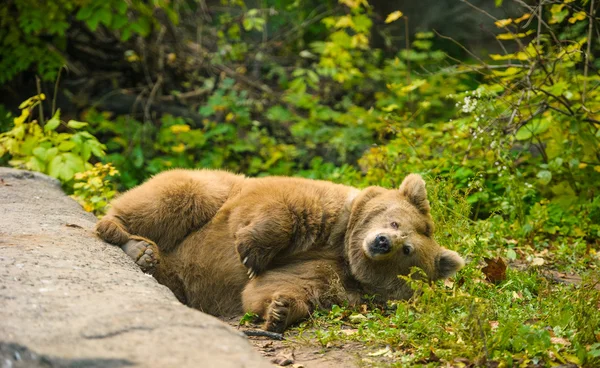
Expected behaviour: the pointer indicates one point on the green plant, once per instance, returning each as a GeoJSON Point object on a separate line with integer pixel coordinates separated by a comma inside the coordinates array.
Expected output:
{"type": "Point", "coordinates": [34, 34]}
{"type": "Point", "coordinates": [95, 188]}
{"type": "Point", "coordinates": [59, 149]}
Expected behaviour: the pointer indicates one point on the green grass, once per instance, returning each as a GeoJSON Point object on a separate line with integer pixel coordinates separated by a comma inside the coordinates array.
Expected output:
{"type": "Point", "coordinates": [524, 320]}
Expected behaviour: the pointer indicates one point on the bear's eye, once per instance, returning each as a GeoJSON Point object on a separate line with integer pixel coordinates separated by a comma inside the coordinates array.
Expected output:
{"type": "Point", "coordinates": [394, 225]}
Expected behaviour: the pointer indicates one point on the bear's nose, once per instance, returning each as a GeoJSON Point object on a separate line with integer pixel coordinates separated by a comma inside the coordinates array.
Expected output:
{"type": "Point", "coordinates": [381, 244]}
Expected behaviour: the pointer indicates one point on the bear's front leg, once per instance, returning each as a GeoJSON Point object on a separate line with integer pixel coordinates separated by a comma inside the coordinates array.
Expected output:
{"type": "Point", "coordinates": [263, 239]}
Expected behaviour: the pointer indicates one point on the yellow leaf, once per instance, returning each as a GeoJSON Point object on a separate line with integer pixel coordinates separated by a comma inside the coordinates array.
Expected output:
{"type": "Point", "coordinates": [178, 148]}
{"type": "Point", "coordinates": [352, 4]}
{"type": "Point", "coordinates": [512, 36]}
{"type": "Point", "coordinates": [179, 128]}
{"type": "Point", "coordinates": [524, 17]}
{"type": "Point", "coordinates": [230, 116]}
{"type": "Point", "coordinates": [21, 119]}
{"type": "Point", "coordinates": [582, 165]}
{"type": "Point", "coordinates": [393, 16]}
{"type": "Point", "coordinates": [171, 57]}
{"type": "Point", "coordinates": [502, 57]}
{"type": "Point", "coordinates": [577, 16]}
{"type": "Point", "coordinates": [32, 100]}
{"type": "Point", "coordinates": [390, 108]}
{"type": "Point", "coordinates": [503, 22]}
{"type": "Point", "coordinates": [597, 168]}
{"type": "Point", "coordinates": [344, 22]}
{"type": "Point", "coordinates": [359, 41]}
{"type": "Point", "coordinates": [556, 8]}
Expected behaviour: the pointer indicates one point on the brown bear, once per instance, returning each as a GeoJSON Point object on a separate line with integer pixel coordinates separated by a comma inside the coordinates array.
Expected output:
{"type": "Point", "coordinates": [276, 246]}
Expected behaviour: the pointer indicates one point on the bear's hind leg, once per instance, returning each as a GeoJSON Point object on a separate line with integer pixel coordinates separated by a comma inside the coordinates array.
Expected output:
{"type": "Point", "coordinates": [284, 311]}
{"type": "Point", "coordinates": [288, 294]}
{"type": "Point", "coordinates": [144, 252]}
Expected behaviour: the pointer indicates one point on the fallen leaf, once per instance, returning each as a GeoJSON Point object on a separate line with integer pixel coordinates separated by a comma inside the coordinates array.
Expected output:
{"type": "Point", "coordinates": [494, 324]}
{"type": "Point", "coordinates": [380, 352]}
{"type": "Point", "coordinates": [357, 318]}
{"type": "Point", "coordinates": [430, 359]}
{"type": "Point", "coordinates": [3, 183]}
{"type": "Point", "coordinates": [448, 283]}
{"type": "Point", "coordinates": [364, 308]}
{"type": "Point", "coordinates": [560, 341]}
{"type": "Point", "coordinates": [495, 271]}
{"type": "Point", "coordinates": [74, 225]}
{"type": "Point", "coordinates": [537, 261]}
{"type": "Point", "coordinates": [283, 360]}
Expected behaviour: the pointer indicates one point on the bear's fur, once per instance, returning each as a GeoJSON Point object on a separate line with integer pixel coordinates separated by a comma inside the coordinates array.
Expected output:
{"type": "Point", "coordinates": [276, 246]}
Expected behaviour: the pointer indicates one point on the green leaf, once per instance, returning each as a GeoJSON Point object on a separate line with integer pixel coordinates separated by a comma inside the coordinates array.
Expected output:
{"type": "Point", "coordinates": [121, 7]}
{"type": "Point", "coordinates": [105, 16]}
{"type": "Point", "coordinates": [66, 146]}
{"type": "Point", "coordinates": [532, 129]}
{"type": "Point", "coordinates": [51, 153]}
{"type": "Point", "coordinates": [544, 177]}
{"type": "Point", "coordinates": [52, 124]}
{"type": "Point", "coordinates": [76, 124]}
{"type": "Point", "coordinates": [119, 21]}
{"type": "Point", "coordinates": [511, 254]}
{"type": "Point", "coordinates": [84, 13]}
{"type": "Point", "coordinates": [40, 152]}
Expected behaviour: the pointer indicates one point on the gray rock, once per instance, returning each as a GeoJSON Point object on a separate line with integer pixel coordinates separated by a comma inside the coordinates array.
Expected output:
{"type": "Point", "coordinates": [69, 299]}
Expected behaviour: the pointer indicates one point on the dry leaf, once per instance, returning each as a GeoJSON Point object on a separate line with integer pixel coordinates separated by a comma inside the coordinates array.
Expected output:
{"type": "Point", "coordinates": [494, 324]}
{"type": "Point", "coordinates": [560, 341]}
{"type": "Point", "coordinates": [381, 352]}
{"type": "Point", "coordinates": [537, 261]}
{"type": "Point", "coordinates": [393, 16]}
{"type": "Point", "coordinates": [495, 271]}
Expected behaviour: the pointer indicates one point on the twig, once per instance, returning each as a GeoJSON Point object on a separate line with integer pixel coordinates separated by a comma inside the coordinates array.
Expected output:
{"type": "Point", "coordinates": [518, 41]}
{"type": "Point", "coordinates": [185, 95]}
{"type": "Point", "coordinates": [261, 333]}
{"type": "Point", "coordinates": [407, 36]}
{"type": "Point", "coordinates": [151, 96]}
{"type": "Point", "coordinates": [39, 92]}
{"type": "Point", "coordinates": [539, 25]}
{"type": "Point", "coordinates": [589, 50]}
{"type": "Point", "coordinates": [53, 111]}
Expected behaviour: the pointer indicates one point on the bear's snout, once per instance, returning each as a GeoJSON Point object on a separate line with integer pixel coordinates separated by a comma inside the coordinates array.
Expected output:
{"type": "Point", "coordinates": [381, 245]}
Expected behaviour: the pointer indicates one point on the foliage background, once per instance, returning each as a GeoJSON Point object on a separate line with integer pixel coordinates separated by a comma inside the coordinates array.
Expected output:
{"type": "Point", "coordinates": [496, 103]}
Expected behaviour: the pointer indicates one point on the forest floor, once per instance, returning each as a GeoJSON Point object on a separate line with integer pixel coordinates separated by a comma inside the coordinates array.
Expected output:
{"type": "Point", "coordinates": [303, 348]}
{"type": "Point", "coordinates": [298, 351]}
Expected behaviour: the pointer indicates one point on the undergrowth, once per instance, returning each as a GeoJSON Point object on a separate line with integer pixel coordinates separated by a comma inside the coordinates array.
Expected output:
{"type": "Point", "coordinates": [524, 320]}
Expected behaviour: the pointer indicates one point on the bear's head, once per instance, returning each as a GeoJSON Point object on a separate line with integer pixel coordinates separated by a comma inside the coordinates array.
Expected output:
{"type": "Point", "coordinates": [391, 230]}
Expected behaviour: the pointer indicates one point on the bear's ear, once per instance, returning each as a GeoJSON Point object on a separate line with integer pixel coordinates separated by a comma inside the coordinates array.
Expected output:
{"type": "Point", "coordinates": [448, 263]}
{"type": "Point", "coordinates": [413, 188]}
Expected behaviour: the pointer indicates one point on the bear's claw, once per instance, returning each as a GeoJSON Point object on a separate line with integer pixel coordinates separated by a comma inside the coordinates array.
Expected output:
{"type": "Point", "coordinates": [143, 253]}
{"type": "Point", "coordinates": [253, 258]}
{"type": "Point", "coordinates": [277, 315]}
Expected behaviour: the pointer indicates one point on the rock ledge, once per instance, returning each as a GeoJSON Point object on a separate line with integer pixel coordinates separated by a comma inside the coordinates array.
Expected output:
{"type": "Point", "coordinates": [69, 299]}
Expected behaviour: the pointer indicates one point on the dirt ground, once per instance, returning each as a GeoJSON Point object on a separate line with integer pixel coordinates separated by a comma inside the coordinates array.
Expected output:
{"type": "Point", "coordinates": [302, 352]}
